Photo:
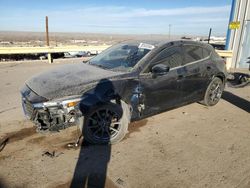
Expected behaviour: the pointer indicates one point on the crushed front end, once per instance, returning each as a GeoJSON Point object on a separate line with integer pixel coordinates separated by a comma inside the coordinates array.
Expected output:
{"type": "Point", "coordinates": [52, 115]}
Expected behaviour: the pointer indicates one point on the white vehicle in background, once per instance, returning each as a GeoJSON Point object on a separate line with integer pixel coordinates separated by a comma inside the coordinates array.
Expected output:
{"type": "Point", "coordinates": [218, 39]}
{"type": "Point", "coordinates": [76, 54]}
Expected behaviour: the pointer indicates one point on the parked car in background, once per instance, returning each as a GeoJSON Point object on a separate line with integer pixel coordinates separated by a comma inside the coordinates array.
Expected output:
{"type": "Point", "coordinates": [218, 46]}
{"type": "Point", "coordinates": [127, 82]}
{"type": "Point", "coordinates": [53, 55]}
{"type": "Point", "coordinates": [76, 54]}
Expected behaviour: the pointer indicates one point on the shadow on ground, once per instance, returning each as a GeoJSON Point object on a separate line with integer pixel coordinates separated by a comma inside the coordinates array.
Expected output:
{"type": "Point", "coordinates": [91, 168]}
{"type": "Point", "coordinates": [92, 164]}
{"type": "Point", "coordinates": [237, 101]}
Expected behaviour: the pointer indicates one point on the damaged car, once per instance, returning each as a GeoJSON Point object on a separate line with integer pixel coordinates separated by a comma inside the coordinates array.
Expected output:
{"type": "Point", "coordinates": [129, 81]}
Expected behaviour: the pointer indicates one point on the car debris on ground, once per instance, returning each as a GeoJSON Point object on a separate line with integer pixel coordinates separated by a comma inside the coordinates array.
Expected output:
{"type": "Point", "coordinates": [238, 79]}
{"type": "Point", "coordinates": [52, 154]}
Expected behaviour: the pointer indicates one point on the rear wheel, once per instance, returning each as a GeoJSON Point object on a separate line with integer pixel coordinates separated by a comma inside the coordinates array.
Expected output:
{"type": "Point", "coordinates": [214, 92]}
{"type": "Point", "coordinates": [106, 124]}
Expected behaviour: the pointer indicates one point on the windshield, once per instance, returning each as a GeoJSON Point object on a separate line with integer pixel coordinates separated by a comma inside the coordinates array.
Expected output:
{"type": "Point", "coordinates": [121, 57]}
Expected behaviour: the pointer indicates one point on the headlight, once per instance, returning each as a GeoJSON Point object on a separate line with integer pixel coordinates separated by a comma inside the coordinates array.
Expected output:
{"type": "Point", "coordinates": [68, 103]}
{"type": "Point", "coordinates": [46, 104]}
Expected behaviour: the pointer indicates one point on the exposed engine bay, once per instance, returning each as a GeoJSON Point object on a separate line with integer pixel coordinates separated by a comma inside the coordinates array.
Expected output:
{"type": "Point", "coordinates": [51, 116]}
{"type": "Point", "coordinates": [55, 119]}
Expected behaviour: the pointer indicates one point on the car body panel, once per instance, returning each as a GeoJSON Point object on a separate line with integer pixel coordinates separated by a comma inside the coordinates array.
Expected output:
{"type": "Point", "coordinates": [145, 93]}
{"type": "Point", "coordinates": [160, 93]}
{"type": "Point", "coordinates": [194, 81]}
{"type": "Point", "coordinates": [67, 80]}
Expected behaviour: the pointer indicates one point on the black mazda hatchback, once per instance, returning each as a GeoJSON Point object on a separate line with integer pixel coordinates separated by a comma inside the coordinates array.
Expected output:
{"type": "Point", "coordinates": [127, 82]}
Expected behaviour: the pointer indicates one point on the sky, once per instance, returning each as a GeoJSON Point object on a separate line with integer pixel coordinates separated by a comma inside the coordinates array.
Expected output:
{"type": "Point", "coordinates": [185, 17]}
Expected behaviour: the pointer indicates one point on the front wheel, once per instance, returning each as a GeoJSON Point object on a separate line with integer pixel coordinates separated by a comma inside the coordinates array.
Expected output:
{"type": "Point", "coordinates": [106, 124]}
{"type": "Point", "coordinates": [214, 92]}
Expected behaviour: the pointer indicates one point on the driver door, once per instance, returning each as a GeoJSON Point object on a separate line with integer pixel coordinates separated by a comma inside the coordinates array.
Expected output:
{"type": "Point", "coordinates": [162, 92]}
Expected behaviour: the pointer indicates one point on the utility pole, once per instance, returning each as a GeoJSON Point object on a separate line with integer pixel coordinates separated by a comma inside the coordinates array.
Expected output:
{"type": "Point", "coordinates": [47, 30]}
{"type": "Point", "coordinates": [169, 31]}
{"type": "Point", "coordinates": [209, 35]}
{"type": "Point", "coordinates": [47, 38]}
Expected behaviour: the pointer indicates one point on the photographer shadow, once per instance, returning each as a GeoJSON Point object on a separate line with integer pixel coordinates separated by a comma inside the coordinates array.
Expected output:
{"type": "Point", "coordinates": [93, 160]}
{"type": "Point", "coordinates": [91, 167]}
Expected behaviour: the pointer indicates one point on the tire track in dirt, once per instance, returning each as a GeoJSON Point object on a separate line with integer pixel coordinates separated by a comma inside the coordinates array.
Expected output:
{"type": "Point", "coordinates": [58, 141]}
{"type": "Point", "coordinates": [39, 142]}
{"type": "Point", "coordinates": [11, 153]}
{"type": "Point", "coordinates": [8, 109]}
{"type": "Point", "coordinates": [21, 134]}
{"type": "Point", "coordinates": [16, 136]}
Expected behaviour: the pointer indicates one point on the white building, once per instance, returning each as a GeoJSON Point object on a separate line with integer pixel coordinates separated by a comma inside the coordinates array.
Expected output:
{"type": "Point", "coordinates": [238, 40]}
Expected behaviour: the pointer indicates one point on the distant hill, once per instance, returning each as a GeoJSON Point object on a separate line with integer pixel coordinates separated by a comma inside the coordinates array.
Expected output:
{"type": "Point", "coordinates": [18, 36]}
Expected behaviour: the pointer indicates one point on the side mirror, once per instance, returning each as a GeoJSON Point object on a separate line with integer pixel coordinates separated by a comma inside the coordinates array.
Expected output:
{"type": "Point", "coordinates": [160, 69]}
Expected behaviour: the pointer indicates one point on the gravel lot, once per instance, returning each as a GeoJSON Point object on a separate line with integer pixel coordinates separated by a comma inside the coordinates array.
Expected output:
{"type": "Point", "coordinates": [192, 146]}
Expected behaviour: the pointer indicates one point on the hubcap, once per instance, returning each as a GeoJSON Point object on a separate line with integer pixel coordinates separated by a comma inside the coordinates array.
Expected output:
{"type": "Point", "coordinates": [104, 124]}
{"type": "Point", "coordinates": [215, 92]}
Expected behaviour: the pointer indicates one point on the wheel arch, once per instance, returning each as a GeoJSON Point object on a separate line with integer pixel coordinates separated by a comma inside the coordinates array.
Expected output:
{"type": "Point", "coordinates": [221, 76]}
{"type": "Point", "coordinates": [91, 101]}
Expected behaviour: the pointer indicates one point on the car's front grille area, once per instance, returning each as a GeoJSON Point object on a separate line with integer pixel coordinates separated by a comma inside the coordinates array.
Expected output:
{"type": "Point", "coordinates": [28, 108]}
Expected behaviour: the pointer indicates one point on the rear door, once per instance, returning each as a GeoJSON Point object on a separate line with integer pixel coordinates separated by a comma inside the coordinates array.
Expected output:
{"type": "Point", "coordinates": [195, 65]}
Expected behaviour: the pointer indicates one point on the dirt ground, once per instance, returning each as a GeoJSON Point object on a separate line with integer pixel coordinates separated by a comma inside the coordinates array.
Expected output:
{"type": "Point", "coordinates": [192, 146]}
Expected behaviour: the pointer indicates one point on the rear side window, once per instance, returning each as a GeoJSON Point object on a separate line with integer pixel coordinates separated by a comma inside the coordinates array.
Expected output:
{"type": "Point", "coordinates": [192, 53]}
{"type": "Point", "coordinates": [171, 57]}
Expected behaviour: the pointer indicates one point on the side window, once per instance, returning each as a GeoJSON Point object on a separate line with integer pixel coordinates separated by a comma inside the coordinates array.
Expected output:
{"type": "Point", "coordinates": [192, 53]}
{"type": "Point", "coordinates": [171, 57]}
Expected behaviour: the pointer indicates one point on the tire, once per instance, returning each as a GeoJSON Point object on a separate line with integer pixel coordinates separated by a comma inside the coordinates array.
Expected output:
{"type": "Point", "coordinates": [99, 121]}
{"type": "Point", "coordinates": [214, 92]}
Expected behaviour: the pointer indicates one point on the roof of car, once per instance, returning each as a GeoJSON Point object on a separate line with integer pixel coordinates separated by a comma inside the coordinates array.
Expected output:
{"type": "Point", "coordinates": [158, 43]}
{"type": "Point", "coordinates": [151, 42]}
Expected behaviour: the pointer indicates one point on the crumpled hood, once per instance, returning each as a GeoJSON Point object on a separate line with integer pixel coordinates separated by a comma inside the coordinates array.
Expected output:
{"type": "Point", "coordinates": [67, 80]}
